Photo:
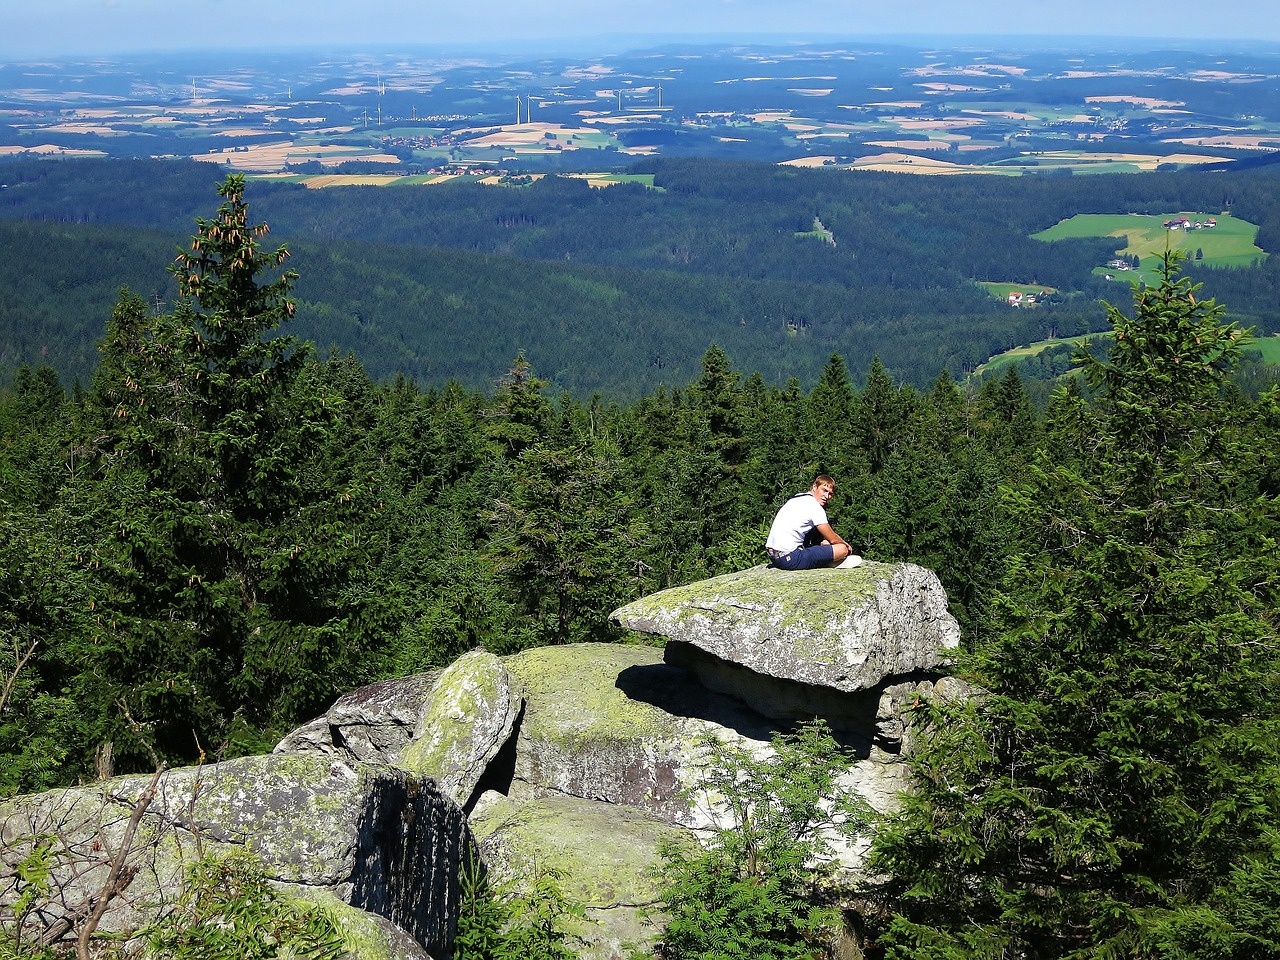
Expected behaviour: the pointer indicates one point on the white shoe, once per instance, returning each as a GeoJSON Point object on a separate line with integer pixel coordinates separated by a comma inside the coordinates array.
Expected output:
{"type": "Point", "coordinates": [849, 562]}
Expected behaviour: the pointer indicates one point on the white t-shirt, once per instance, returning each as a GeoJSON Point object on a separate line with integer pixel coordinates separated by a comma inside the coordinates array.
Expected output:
{"type": "Point", "coordinates": [795, 519]}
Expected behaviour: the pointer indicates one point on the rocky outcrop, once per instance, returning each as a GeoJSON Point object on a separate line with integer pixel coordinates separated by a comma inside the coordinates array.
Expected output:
{"type": "Point", "coordinates": [846, 631]}
{"type": "Point", "coordinates": [467, 718]}
{"type": "Point", "coordinates": [370, 836]}
{"type": "Point", "coordinates": [581, 758]}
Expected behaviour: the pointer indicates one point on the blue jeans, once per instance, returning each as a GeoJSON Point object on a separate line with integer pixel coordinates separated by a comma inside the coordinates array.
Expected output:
{"type": "Point", "coordinates": [806, 558]}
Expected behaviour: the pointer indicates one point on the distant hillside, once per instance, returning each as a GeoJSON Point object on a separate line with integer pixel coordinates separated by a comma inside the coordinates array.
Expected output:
{"type": "Point", "coordinates": [623, 288]}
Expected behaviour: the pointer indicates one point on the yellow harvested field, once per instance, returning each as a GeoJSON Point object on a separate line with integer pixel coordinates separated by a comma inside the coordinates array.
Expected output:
{"type": "Point", "coordinates": [1143, 161]}
{"type": "Point", "coordinates": [1191, 158]}
{"type": "Point", "coordinates": [1224, 75]}
{"type": "Point", "coordinates": [585, 73]}
{"type": "Point", "coordinates": [1240, 142]}
{"type": "Point", "coordinates": [48, 149]}
{"type": "Point", "coordinates": [972, 70]}
{"type": "Point", "coordinates": [81, 128]}
{"type": "Point", "coordinates": [957, 124]}
{"type": "Point", "coordinates": [910, 144]}
{"type": "Point", "coordinates": [936, 87]}
{"type": "Point", "coordinates": [1001, 114]}
{"type": "Point", "coordinates": [343, 180]}
{"type": "Point", "coordinates": [203, 108]}
{"type": "Point", "coordinates": [903, 163]}
{"type": "Point", "coordinates": [613, 121]}
{"type": "Point", "coordinates": [1140, 101]}
{"type": "Point", "coordinates": [807, 162]}
{"type": "Point", "coordinates": [274, 156]}
{"type": "Point", "coordinates": [529, 133]}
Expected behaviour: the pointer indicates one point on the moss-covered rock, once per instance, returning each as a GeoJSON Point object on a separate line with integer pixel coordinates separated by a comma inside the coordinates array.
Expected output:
{"type": "Point", "coordinates": [615, 723]}
{"type": "Point", "coordinates": [466, 720]}
{"type": "Point", "coordinates": [606, 852]}
{"type": "Point", "coordinates": [366, 936]}
{"type": "Point", "coordinates": [375, 837]}
{"type": "Point", "coordinates": [847, 630]}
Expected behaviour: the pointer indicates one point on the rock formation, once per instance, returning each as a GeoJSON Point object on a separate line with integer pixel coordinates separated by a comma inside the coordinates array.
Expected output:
{"type": "Point", "coordinates": [581, 757]}
{"type": "Point", "coordinates": [368, 836]}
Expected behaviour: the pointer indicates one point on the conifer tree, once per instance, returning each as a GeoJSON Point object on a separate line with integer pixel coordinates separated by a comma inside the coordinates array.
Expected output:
{"type": "Point", "coordinates": [222, 568]}
{"type": "Point", "coordinates": [1112, 789]}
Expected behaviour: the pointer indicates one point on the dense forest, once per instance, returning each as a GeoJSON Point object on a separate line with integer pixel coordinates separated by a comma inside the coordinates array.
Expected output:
{"type": "Point", "coordinates": [621, 290]}
{"type": "Point", "coordinates": [329, 529]}
{"type": "Point", "coordinates": [223, 529]}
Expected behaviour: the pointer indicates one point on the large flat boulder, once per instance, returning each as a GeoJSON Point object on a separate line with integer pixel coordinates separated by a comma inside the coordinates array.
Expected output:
{"type": "Point", "coordinates": [846, 631]}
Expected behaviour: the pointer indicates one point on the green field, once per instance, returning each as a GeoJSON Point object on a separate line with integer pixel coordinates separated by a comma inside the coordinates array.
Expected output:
{"type": "Point", "coordinates": [1228, 244]}
{"type": "Point", "coordinates": [1001, 290]}
{"type": "Point", "coordinates": [1269, 347]}
{"type": "Point", "coordinates": [1018, 354]}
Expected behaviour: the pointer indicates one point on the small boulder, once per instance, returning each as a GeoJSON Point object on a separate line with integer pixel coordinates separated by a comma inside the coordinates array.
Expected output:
{"type": "Point", "coordinates": [371, 724]}
{"type": "Point", "coordinates": [468, 717]}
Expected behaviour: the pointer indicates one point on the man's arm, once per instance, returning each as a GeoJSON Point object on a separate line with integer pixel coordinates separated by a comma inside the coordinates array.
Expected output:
{"type": "Point", "coordinates": [829, 535]}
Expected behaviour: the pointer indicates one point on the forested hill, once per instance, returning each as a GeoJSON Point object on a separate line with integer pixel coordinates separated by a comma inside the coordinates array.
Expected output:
{"type": "Point", "coordinates": [620, 289]}
{"type": "Point", "coordinates": [219, 534]}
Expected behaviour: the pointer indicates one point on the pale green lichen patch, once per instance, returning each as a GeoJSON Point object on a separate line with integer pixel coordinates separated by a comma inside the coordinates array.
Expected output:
{"type": "Point", "coordinates": [573, 694]}
{"type": "Point", "coordinates": [470, 688]}
{"type": "Point", "coordinates": [806, 606]}
{"type": "Point", "coordinates": [805, 596]}
{"type": "Point", "coordinates": [607, 851]}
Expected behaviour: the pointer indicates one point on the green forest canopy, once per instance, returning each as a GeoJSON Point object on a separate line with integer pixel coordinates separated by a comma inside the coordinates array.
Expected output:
{"type": "Point", "coordinates": [621, 290]}
{"type": "Point", "coordinates": [223, 531]}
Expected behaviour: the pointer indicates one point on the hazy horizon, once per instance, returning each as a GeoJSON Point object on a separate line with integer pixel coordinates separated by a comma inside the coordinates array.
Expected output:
{"type": "Point", "coordinates": [60, 28]}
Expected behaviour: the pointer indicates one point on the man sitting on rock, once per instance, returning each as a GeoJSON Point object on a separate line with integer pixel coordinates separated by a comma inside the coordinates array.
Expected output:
{"type": "Point", "coordinates": [801, 538]}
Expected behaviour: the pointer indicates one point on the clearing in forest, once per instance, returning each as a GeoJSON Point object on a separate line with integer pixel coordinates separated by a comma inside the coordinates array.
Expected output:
{"type": "Point", "coordinates": [1217, 239]}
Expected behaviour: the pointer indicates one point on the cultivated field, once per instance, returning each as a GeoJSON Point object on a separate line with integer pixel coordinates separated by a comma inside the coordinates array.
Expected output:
{"type": "Point", "coordinates": [1230, 243]}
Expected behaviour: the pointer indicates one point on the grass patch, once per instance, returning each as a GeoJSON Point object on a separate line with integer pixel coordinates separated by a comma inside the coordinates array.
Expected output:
{"type": "Point", "coordinates": [1002, 289]}
{"type": "Point", "coordinates": [1269, 347]}
{"type": "Point", "coordinates": [1231, 243]}
{"type": "Point", "coordinates": [1018, 354]}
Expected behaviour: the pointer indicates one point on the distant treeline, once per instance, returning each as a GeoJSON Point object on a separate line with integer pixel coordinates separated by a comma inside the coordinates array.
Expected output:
{"type": "Point", "coordinates": [619, 290]}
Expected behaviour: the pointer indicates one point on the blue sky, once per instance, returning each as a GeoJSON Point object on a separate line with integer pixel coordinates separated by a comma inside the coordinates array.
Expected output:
{"type": "Point", "coordinates": [64, 27]}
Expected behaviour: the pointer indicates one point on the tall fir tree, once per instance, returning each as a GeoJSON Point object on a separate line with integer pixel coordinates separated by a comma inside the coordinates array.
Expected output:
{"type": "Point", "coordinates": [1112, 788]}
{"type": "Point", "coordinates": [225, 559]}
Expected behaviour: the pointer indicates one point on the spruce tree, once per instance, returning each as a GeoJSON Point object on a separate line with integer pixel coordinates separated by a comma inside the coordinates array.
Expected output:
{"type": "Point", "coordinates": [1112, 788]}
{"type": "Point", "coordinates": [225, 560]}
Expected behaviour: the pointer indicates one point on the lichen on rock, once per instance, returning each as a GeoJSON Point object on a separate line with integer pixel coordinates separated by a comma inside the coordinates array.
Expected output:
{"type": "Point", "coordinates": [848, 630]}
{"type": "Point", "coordinates": [606, 853]}
{"type": "Point", "coordinates": [465, 721]}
